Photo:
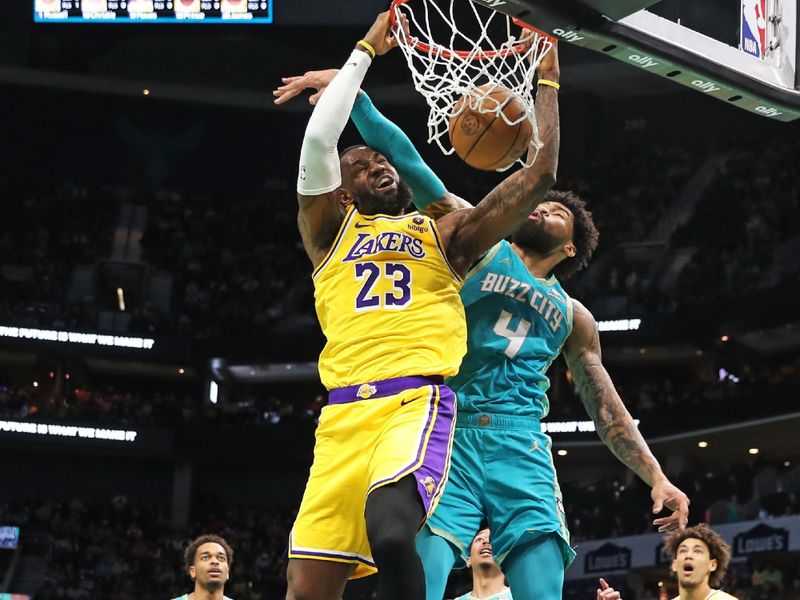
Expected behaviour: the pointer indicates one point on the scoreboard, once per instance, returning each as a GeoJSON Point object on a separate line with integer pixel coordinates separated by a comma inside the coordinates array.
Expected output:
{"type": "Point", "coordinates": [152, 11]}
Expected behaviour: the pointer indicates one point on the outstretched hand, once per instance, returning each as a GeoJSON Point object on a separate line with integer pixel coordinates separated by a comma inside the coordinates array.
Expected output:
{"type": "Point", "coordinates": [292, 86]}
{"type": "Point", "coordinates": [666, 494]}
{"type": "Point", "coordinates": [606, 592]}
{"type": "Point", "coordinates": [549, 68]}
{"type": "Point", "coordinates": [380, 36]}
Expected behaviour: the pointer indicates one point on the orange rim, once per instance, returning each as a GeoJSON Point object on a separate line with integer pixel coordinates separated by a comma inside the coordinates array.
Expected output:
{"type": "Point", "coordinates": [467, 54]}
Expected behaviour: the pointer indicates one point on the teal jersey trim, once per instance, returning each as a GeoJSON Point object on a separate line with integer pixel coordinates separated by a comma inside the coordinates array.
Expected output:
{"type": "Point", "coordinates": [517, 325]}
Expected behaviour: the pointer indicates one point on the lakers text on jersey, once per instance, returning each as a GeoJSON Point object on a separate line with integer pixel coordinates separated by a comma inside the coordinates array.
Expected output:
{"type": "Point", "coordinates": [388, 302]}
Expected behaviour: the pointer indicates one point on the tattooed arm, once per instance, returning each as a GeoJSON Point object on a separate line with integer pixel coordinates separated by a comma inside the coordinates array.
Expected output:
{"type": "Point", "coordinates": [469, 233]}
{"type": "Point", "coordinates": [449, 203]}
{"type": "Point", "coordinates": [614, 423]}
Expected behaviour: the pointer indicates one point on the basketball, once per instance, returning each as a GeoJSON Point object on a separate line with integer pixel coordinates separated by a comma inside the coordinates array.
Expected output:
{"type": "Point", "coordinates": [482, 137]}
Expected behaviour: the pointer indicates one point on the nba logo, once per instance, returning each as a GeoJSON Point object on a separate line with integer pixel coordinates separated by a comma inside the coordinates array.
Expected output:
{"type": "Point", "coordinates": [753, 37]}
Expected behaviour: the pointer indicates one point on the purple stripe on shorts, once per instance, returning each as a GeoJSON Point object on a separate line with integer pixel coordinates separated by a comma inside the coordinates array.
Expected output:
{"type": "Point", "coordinates": [380, 389]}
{"type": "Point", "coordinates": [435, 464]}
{"type": "Point", "coordinates": [432, 403]}
{"type": "Point", "coordinates": [332, 555]}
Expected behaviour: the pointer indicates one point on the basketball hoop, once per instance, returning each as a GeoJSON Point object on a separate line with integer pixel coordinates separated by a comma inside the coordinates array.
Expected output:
{"type": "Point", "coordinates": [455, 48]}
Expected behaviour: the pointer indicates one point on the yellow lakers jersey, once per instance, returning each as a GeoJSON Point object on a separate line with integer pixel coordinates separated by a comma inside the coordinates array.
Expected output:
{"type": "Point", "coordinates": [388, 302]}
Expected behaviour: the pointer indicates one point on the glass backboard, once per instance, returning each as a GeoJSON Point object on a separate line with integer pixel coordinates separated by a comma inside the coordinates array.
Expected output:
{"type": "Point", "coordinates": [740, 52]}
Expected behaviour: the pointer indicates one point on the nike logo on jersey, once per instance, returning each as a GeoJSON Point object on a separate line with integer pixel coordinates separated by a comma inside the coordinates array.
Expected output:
{"type": "Point", "coordinates": [355, 64]}
{"type": "Point", "coordinates": [404, 402]}
{"type": "Point", "coordinates": [362, 225]}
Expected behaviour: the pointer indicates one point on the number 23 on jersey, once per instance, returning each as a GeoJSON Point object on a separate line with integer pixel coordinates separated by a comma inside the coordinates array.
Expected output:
{"type": "Point", "coordinates": [370, 274]}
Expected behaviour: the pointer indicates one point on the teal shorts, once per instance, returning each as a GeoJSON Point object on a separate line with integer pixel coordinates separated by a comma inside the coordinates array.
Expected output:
{"type": "Point", "coordinates": [502, 471]}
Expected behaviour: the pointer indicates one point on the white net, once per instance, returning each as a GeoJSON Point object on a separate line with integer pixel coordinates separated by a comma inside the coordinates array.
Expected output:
{"type": "Point", "coordinates": [456, 48]}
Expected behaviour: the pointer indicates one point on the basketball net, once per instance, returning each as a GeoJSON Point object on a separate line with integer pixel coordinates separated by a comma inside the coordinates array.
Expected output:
{"type": "Point", "coordinates": [443, 74]}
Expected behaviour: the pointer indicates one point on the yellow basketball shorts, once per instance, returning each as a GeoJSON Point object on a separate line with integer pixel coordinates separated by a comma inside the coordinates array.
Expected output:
{"type": "Point", "coordinates": [369, 436]}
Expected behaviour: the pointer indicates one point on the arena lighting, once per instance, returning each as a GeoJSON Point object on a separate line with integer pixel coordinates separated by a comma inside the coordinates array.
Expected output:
{"type": "Point", "coordinates": [73, 337]}
{"type": "Point", "coordinates": [145, 92]}
{"type": "Point", "coordinates": [35, 384]}
{"type": "Point", "coordinates": [572, 426]}
{"type": "Point", "coordinates": [753, 451]}
{"type": "Point", "coordinates": [181, 371]}
{"type": "Point", "coordinates": [121, 299]}
{"type": "Point", "coordinates": [213, 391]}
{"type": "Point", "coordinates": [562, 452]}
{"type": "Point", "coordinates": [9, 538]}
{"type": "Point", "coordinates": [68, 431]}
{"type": "Point", "coordinates": [724, 338]}
{"type": "Point", "coordinates": [619, 325]}
{"type": "Point", "coordinates": [702, 444]}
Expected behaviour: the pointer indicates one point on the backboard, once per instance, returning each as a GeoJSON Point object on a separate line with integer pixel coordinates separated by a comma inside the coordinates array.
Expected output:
{"type": "Point", "coordinates": [743, 53]}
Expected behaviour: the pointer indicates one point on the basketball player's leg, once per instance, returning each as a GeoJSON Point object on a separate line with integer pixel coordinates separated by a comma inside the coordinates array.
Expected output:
{"type": "Point", "coordinates": [439, 556]}
{"type": "Point", "coordinates": [394, 513]}
{"type": "Point", "coordinates": [535, 569]}
{"type": "Point", "coordinates": [445, 539]}
{"type": "Point", "coordinates": [316, 579]}
{"type": "Point", "coordinates": [525, 512]}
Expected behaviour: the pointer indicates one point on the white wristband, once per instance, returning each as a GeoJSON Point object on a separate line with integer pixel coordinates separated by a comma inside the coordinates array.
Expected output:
{"type": "Point", "coordinates": [319, 160]}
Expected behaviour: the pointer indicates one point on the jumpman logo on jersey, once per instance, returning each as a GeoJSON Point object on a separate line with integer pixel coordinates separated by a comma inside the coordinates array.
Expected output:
{"type": "Point", "coordinates": [505, 261]}
{"type": "Point", "coordinates": [535, 446]}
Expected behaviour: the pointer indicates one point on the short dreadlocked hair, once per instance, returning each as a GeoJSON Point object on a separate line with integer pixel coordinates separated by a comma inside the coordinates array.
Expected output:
{"type": "Point", "coordinates": [584, 233]}
{"type": "Point", "coordinates": [190, 555]}
{"type": "Point", "coordinates": [717, 548]}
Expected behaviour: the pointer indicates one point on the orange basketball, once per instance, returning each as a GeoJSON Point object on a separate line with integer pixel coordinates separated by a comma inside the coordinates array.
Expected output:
{"type": "Point", "coordinates": [485, 140]}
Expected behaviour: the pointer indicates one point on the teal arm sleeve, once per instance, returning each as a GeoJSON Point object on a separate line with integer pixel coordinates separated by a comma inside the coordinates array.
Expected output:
{"type": "Point", "coordinates": [388, 139]}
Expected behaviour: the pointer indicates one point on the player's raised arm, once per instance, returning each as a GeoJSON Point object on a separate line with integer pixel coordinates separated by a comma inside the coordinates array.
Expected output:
{"type": "Point", "coordinates": [319, 177]}
{"type": "Point", "coordinates": [614, 424]}
{"type": "Point", "coordinates": [429, 193]}
{"type": "Point", "coordinates": [468, 234]}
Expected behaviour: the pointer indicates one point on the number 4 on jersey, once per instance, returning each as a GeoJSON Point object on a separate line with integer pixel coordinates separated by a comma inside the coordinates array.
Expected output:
{"type": "Point", "coordinates": [516, 336]}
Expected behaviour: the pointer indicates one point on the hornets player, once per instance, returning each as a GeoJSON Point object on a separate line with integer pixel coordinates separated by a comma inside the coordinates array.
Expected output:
{"type": "Point", "coordinates": [387, 284]}
{"type": "Point", "coordinates": [488, 581]}
{"type": "Point", "coordinates": [519, 320]}
{"type": "Point", "coordinates": [208, 561]}
{"type": "Point", "coordinates": [700, 559]}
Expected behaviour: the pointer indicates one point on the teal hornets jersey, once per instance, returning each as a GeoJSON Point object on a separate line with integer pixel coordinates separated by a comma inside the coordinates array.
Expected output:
{"type": "Point", "coordinates": [504, 595]}
{"type": "Point", "coordinates": [517, 325]}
